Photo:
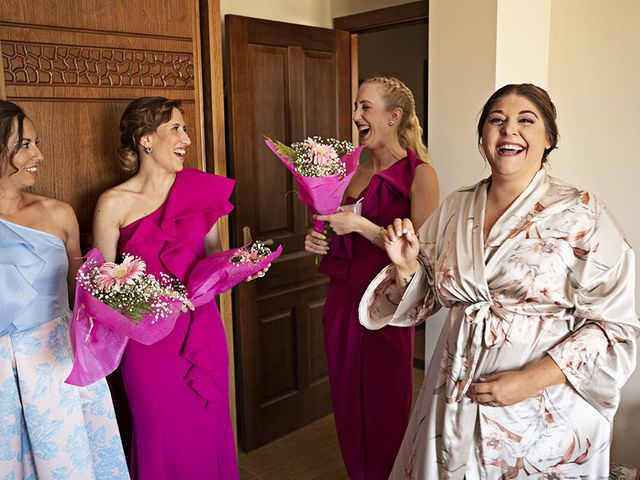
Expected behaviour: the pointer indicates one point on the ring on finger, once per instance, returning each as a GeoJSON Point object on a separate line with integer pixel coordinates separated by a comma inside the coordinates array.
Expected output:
{"type": "Point", "coordinates": [261, 274]}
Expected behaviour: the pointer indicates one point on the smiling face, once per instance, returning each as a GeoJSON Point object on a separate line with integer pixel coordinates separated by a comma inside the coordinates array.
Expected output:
{"type": "Point", "coordinates": [169, 142]}
{"type": "Point", "coordinates": [514, 138]}
{"type": "Point", "coordinates": [27, 158]}
{"type": "Point", "coordinates": [372, 117]}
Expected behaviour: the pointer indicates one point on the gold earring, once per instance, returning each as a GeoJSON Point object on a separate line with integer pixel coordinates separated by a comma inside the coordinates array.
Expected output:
{"type": "Point", "coordinates": [391, 123]}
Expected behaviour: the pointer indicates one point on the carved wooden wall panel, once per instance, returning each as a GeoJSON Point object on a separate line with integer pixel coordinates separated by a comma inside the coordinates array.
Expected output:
{"type": "Point", "coordinates": [27, 63]}
{"type": "Point", "coordinates": [74, 69]}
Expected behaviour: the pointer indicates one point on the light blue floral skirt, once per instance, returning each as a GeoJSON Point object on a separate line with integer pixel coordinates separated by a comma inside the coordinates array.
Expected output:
{"type": "Point", "coordinates": [48, 429]}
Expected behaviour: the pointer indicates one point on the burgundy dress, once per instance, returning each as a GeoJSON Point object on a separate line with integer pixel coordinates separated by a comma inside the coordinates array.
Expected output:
{"type": "Point", "coordinates": [178, 388]}
{"type": "Point", "coordinates": [370, 372]}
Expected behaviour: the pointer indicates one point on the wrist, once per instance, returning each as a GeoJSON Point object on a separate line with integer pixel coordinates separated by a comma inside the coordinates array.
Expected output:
{"type": "Point", "coordinates": [407, 270]}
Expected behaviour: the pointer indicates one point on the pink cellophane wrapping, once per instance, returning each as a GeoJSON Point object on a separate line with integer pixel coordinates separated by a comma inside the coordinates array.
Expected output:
{"type": "Point", "coordinates": [323, 195]}
{"type": "Point", "coordinates": [99, 333]}
{"type": "Point", "coordinates": [216, 274]}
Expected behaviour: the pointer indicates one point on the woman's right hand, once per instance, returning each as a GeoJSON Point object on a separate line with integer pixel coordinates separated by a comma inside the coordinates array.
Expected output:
{"type": "Point", "coordinates": [402, 245]}
{"type": "Point", "coordinates": [316, 242]}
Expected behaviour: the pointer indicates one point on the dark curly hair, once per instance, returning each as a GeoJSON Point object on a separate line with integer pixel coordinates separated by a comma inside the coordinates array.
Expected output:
{"type": "Point", "coordinates": [9, 112]}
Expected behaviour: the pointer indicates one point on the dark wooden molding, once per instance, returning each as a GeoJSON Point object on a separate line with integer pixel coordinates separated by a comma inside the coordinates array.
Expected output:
{"type": "Point", "coordinates": [3, 92]}
{"type": "Point", "coordinates": [383, 18]}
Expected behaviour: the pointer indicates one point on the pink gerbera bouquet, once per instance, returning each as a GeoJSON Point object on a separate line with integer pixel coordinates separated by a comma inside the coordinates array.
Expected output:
{"type": "Point", "coordinates": [322, 169]}
{"type": "Point", "coordinates": [116, 302]}
{"type": "Point", "coordinates": [222, 271]}
{"type": "Point", "coordinates": [128, 289]}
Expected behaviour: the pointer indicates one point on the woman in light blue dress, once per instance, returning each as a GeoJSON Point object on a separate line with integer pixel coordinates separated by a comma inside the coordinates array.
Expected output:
{"type": "Point", "coordinates": [48, 429]}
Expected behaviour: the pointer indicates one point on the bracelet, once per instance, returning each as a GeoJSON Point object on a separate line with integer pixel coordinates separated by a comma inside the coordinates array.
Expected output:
{"type": "Point", "coordinates": [378, 235]}
{"type": "Point", "coordinates": [407, 280]}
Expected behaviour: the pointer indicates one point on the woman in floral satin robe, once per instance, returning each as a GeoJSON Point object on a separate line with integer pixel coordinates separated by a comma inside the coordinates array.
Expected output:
{"type": "Point", "coordinates": [541, 333]}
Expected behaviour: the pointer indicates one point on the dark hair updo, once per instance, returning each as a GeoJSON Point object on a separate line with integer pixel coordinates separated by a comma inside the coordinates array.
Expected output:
{"type": "Point", "coordinates": [141, 117]}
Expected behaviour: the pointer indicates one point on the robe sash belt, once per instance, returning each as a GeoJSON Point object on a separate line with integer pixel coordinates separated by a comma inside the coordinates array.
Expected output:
{"type": "Point", "coordinates": [485, 326]}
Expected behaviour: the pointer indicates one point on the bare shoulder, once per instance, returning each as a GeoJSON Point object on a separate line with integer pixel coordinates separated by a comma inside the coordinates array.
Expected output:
{"type": "Point", "coordinates": [51, 215]}
{"type": "Point", "coordinates": [425, 176]}
{"type": "Point", "coordinates": [426, 169]}
{"type": "Point", "coordinates": [115, 201]}
{"type": "Point", "coordinates": [57, 210]}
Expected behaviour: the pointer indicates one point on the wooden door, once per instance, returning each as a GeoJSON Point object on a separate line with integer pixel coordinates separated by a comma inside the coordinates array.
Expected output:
{"type": "Point", "coordinates": [75, 65]}
{"type": "Point", "coordinates": [287, 82]}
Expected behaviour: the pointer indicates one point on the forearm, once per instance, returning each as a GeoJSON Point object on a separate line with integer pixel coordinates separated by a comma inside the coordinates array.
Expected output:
{"type": "Point", "coordinates": [369, 230]}
{"type": "Point", "coordinates": [404, 275]}
{"type": "Point", "coordinates": [544, 373]}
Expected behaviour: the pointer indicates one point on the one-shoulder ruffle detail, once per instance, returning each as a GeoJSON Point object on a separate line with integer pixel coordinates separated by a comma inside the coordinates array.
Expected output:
{"type": "Point", "coordinates": [194, 204]}
{"type": "Point", "coordinates": [20, 266]}
{"type": "Point", "coordinates": [389, 185]}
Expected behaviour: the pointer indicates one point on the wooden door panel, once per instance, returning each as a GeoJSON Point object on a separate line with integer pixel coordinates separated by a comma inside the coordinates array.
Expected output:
{"type": "Point", "coordinates": [269, 68]}
{"type": "Point", "coordinates": [320, 98]}
{"type": "Point", "coordinates": [286, 82]}
{"type": "Point", "coordinates": [277, 356]}
{"type": "Point", "coordinates": [318, 370]}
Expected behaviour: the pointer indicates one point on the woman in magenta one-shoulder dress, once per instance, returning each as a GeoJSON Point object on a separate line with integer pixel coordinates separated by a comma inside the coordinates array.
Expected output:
{"type": "Point", "coordinates": [177, 388]}
{"type": "Point", "coordinates": [371, 372]}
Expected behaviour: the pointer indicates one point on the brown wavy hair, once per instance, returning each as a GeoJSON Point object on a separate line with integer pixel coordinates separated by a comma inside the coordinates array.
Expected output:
{"type": "Point", "coordinates": [141, 117]}
{"type": "Point", "coordinates": [8, 113]}
{"type": "Point", "coordinates": [536, 95]}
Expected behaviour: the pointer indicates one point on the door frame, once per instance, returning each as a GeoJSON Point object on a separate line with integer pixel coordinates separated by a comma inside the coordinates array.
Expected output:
{"type": "Point", "coordinates": [413, 13]}
{"type": "Point", "coordinates": [215, 153]}
{"type": "Point", "coordinates": [384, 18]}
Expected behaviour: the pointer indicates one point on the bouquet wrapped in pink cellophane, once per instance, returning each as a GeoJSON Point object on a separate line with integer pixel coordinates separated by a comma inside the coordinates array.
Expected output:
{"type": "Point", "coordinates": [115, 303]}
{"type": "Point", "coordinates": [222, 271]}
{"type": "Point", "coordinates": [322, 169]}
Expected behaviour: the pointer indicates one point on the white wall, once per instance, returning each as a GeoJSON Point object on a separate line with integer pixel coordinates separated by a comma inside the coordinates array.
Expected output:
{"type": "Point", "coordinates": [594, 75]}
{"type": "Point", "coordinates": [522, 47]}
{"type": "Point", "coordinates": [315, 13]}
{"type": "Point", "coordinates": [462, 64]}
{"type": "Point", "coordinates": [593, 69]}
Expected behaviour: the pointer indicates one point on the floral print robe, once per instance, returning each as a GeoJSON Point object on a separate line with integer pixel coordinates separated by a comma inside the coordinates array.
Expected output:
{"type": "Point", "coordinates": [555, 277]}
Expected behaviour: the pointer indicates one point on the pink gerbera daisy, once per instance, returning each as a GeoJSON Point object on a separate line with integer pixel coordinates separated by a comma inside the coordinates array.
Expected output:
{"type": "Point", "coordinates": [321, 154]}
{"type": "Point", "coordinates": [112, 276]}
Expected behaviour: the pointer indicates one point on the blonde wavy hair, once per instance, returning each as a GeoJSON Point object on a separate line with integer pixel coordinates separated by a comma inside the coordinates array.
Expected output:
{"type": "Point", "coordinates": [396, 94]}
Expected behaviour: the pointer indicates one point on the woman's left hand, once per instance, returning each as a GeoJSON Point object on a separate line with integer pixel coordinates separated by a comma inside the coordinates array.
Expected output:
{"type": "Point", "coordinates": [341, 222]}
{"type": "Point", "coordinates": [504, 388]}
{"type": "Point", "coordinates": [260, 274]}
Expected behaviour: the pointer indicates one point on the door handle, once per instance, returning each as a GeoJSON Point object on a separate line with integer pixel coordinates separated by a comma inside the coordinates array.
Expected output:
{"type": "Point", "coordinates": [246, 235]}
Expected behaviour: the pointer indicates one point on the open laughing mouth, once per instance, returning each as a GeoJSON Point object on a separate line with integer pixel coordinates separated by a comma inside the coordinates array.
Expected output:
{"type": "Point", "coordinates": [510, 149]}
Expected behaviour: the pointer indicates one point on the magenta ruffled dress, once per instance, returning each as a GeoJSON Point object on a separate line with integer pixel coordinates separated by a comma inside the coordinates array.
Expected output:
{"type": "Point", "coordinates": [370, 372]}
{"type": "Point", "coordinates": [178, 388]}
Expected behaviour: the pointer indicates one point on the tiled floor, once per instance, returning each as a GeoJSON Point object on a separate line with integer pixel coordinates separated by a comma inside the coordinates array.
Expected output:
{"type": "Point", "coordinates": [311, 453]}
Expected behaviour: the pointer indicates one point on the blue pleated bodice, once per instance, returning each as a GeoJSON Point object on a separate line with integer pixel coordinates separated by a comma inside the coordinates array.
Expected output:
{"type": "Point", "coordinates": [33, 277]}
